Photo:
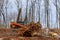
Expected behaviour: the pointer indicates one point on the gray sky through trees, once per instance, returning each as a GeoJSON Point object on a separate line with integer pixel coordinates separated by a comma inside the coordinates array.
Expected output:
{"type": "Point", "coordinates": [13, 10]}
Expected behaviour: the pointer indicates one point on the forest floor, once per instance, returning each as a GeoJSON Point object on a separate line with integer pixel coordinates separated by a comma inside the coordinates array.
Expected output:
{"type": "Point", "coordinates": [27, 38]}
{"type": "Point", "coordinates": [8, 34]}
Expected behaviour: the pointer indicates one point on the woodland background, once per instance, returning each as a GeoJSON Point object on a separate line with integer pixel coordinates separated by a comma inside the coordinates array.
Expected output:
{"type": "Point", "coordinates": [47, 12]}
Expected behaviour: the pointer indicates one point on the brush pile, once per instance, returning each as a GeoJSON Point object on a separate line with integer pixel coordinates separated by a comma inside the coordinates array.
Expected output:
{"type": "Point", "coordinates": [30, 30]}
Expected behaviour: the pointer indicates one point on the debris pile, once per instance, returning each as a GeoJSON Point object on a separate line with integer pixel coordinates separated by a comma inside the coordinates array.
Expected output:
{"type": "Point", "coordinates": [29, 30]}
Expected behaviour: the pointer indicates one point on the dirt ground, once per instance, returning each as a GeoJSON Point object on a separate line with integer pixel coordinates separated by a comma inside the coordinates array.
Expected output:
{"type": "Point", "coordinates": [8, 34]}
{"type": "Point", "coordinates": [27, 38]}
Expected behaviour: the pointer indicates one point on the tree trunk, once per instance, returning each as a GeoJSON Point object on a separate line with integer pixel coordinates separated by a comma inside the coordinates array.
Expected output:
{"type": "Point", "coordinates": [39, 10]}
{"type": "Point", "coordinates": [26, 17]}
{"type": "Point", "coordinates": [57, 15]}
{"type": "Point", "coordinates": [47, 13]}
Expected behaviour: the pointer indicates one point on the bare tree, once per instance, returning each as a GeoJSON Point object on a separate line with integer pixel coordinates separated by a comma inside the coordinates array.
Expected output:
{"type": "Point", "coordinates": [6, 9]}
{"type": "Point", "coordinates": [18, 3]}
{"type": "Point", "coordinates": [30, 14]}
{"type": "Point", "coordinates": [26, 16]}
{"type": "Point", "coordinates": [46, 12]}
{"type": "Point", "coordinates": [46, 15]}
{"type": "Point", "coordinates": [1, 11]}
{"type": "Point", "coordinates": [58, 13]}
{"type": "Point", "coordinates": [55, 4]}
{"type": "Point", "coordinates": [39, 9]}
{"type": "Point", "coordinates": [33, 9]}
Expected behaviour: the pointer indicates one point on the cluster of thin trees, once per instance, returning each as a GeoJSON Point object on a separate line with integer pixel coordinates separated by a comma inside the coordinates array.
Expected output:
{"type": "Point", "coordinates": [47, 12]}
